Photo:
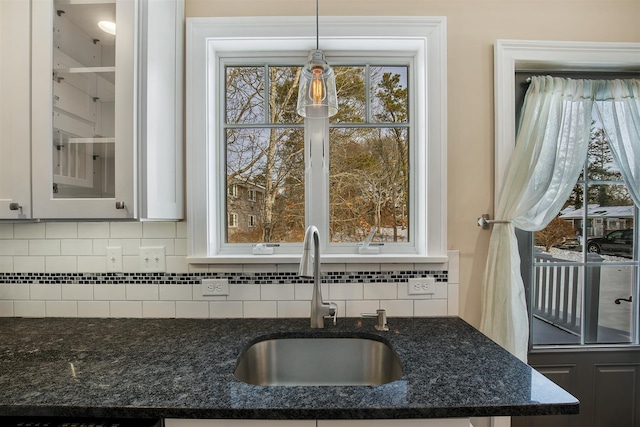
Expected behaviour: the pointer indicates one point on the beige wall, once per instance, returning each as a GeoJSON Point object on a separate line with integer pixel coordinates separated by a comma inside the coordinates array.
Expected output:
{"type": "Point", "coordinates": [473, 27]}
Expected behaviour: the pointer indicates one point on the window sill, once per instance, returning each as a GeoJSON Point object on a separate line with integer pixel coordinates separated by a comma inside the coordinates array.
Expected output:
{"type": "Point", "coordinates": [325, 259]}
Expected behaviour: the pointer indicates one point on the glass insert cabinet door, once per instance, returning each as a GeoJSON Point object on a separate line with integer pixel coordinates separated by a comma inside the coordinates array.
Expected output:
{"type": "Point", "coordinates": [83, 108]}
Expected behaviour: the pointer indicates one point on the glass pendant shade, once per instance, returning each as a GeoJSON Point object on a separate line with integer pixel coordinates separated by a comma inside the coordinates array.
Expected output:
{"type": "Point", "coordinates": [317, 95]}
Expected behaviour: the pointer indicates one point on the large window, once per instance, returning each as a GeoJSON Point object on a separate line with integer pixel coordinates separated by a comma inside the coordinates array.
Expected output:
{"type": "Point", "coordinates": [368, 167]}
{"type": "Point", "coordinates": [368, 154]}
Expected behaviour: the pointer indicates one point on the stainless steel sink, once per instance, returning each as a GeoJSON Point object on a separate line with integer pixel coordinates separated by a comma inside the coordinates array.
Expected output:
{"type": "Point", "coordinates": [318, 361]}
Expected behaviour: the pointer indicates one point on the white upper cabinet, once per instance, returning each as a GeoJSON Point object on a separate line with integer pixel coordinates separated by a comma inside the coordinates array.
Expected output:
{"type": "Point", "coordinates": [104, 116]}
{"type": "Point", "coordinates": [15, 130]}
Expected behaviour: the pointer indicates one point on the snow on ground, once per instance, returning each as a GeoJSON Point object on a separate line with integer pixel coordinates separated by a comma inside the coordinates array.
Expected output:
{"type": "Point", "coordinates": [575, 256]}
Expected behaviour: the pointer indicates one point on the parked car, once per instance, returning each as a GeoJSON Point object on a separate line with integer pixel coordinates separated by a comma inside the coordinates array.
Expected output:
{"type": "Point", "coordinates": [618, 242]}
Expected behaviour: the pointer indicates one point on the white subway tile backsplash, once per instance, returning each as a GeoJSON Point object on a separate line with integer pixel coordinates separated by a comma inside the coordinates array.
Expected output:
{"type": "Point", "coordinates": [61, 264]}
{"type": "Point", "coordinates": [93, 230]}
{"type": "Point", "coordinates": [380, 291]}
{"type": "Point", "coordinates": [260, 309]}
{"type": "Point", "coordinates": [51, 291]}
{"type": "Point", "coordinates": [71, 257]}
{"type": "Point", "coordinates": [14, 292]}
{"type": "Point", "coordinates": [430, 308]}
{"type": "Point", "coordinates": [33, 230]}
{"type": "Point", "coordinates": [398, 308]}
{"type": "Point", "coordinates": [28, 264]}
{"type": "Point", "coordinates": [125, 309]}
{"type": "Point", "coordinates": [344, 291]}
{"type": "Point", "coordinates": [176, 264]}
{"type": "Point", "coordinates": [454, 266]}
{"type": "Point", "coordinates": [356, 308]}
{"type": "Point", "coordinates": [258, 268]}
{"type": "Point", "coordinates": [6, 309]}
{"type": "Point", "coordinates": [181, 230]}
{"type": "Point", "coordinates": [92, 264]}
{"type": "Point", "coordinates": [44, 247]}
{"type": "Point", "coordinates": [180, 247]}
{"type": "Point", "coordinates": [215, 268]}
{"type": "Point", "coordinates": [158, 230]}
{"type": "Point", "coordinates": [159, 309]}
{"type": "Point", "coordinates": [14, 247]}
{"type": "Point", "coordinates": [131, 264]}
{"type": "Point", "coordinates": [129, 246]}
{"type": "Point", "coordinates": [304, 291]}
{"type": "Point", "coordinates": [277, 292]}
{"type": "Point", "coordinates": [192, 309]}
{"type": "Point", "coordinates": [93, 308]}
{"type": "Point", "coordinates": [6, 264]}
{"type": "Point", "coordinates": [225, 309]}
{"type": "Point", "coordinates": [29, 308]}
{"type": "Point", "coordinates": [453, 296]}
{"type": "Point", "coordinates": [169, 246]}
{"type": "Point", "coordinates": [76, 247]}
{"type": "Point", "coordinates": [6, 231]}
{"type": "Point", "coordinates": [238, 292]}
{"type": "Point", "coordinates": [141, 292]}
{"type": "Point", "coordinates": [61, 309]}
{"type": "Point", "coordinates": [61, 230]}
{"type": "Point", "coordinates": [109, 292]}
{"type": "Point", "coordinates": [126, 230]}
{"type": "Point", "coordinates": [77, 292]}
{"type": "Point", "coordinates": [175, 292]}
{"type": "Point", "coordinates": [99, 246]}
{"type": "Point", "coordinates": [288, 309]}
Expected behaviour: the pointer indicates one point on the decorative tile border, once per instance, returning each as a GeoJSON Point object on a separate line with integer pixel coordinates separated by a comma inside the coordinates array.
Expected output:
{"type": "Point", "coordinates": [234, 278]}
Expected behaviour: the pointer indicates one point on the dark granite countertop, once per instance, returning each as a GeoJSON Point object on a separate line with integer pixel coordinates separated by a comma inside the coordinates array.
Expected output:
{"type": "Point", "coordinates": [175, 368]}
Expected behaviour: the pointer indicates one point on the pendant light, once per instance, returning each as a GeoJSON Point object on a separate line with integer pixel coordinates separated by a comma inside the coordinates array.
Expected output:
{"type": "Point", "coordinates": [317, 95]}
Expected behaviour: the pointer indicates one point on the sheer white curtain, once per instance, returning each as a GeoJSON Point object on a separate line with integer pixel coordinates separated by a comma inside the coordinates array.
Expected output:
{"type": "Point", "coordinates": [551, 146]}
{"type": "Point", "coordinates": [618, 106]}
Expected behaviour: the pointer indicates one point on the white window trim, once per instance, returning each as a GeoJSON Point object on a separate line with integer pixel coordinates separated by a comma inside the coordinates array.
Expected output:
{"type": "Point", "coordinates": [207, 38]}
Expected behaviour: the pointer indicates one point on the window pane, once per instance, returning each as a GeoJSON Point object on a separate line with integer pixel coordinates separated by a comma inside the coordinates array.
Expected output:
{"type": "Point", "coordinates": [283, 94]}
{"type": "Point", "coordinates": [246, 88]}
{"type": "Point", "coordinates": [389, 95]}
{"type": "Point", "coordinates": [266, 165]}
{"type": "Point", "coordinates": [350, 86]}
{"type": "Point", "coordinates": [245, 95]}
{"type": "Point", "coordinates": [556, 300]}
{"type": "Point", "coordinates": [611, 312]}
{"type": "Point", "coordinates": [610, 219]}
{"type": "Point", "coordinates": [368, 184]}
{"type": "Point", "coordinates": [602, 166]}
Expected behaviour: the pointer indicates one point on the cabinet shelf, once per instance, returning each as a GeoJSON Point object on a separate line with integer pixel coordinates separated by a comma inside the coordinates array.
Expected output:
{"type": "Point", "coordinates": [79, 70]}
{"type": "Point", "coordinates": [92, 140]}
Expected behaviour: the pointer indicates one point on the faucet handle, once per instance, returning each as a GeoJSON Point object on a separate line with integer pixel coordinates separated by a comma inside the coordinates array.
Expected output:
{"type": "Point", "coordinates": [333, 312]}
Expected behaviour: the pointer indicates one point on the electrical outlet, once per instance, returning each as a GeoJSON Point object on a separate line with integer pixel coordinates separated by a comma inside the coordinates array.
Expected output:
{"type": "Point", "coordinates": [114, 260]}
{"type": "Point", "coordinates": [422, 286]}
{"type": "Point", "coordinates": [152, 260]}
{"type": "Point", "coordinates": [215, 287]}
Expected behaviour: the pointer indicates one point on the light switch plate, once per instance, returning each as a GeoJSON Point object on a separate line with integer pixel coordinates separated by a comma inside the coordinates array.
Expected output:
{"type": "Point", "coordinates": [152, 259]}
{"type": "Point", "coordinates": [114, 259]}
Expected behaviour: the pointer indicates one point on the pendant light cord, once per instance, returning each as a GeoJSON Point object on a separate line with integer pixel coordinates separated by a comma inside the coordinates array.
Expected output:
{"type": "Point", "coordinates": [317, 27]}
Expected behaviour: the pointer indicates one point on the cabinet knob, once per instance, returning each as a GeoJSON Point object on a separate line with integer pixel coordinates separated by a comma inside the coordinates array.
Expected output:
{"type": "Point", "coordinates": [14, 206]}
{"type": "Point", "coordinates": [120, 205]}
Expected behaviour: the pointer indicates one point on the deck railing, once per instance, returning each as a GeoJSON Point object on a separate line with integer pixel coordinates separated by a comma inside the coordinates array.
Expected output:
{"type": "Point", "coordinates": [557, 294]}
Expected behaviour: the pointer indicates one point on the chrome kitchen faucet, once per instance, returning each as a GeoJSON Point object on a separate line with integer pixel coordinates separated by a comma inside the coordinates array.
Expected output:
{"type": "Point", "coordinates": [319, 309]}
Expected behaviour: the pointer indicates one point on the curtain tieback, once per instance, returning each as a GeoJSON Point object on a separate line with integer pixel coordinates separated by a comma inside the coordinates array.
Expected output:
{"type": "Point", "coordinates": [485, 220]}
